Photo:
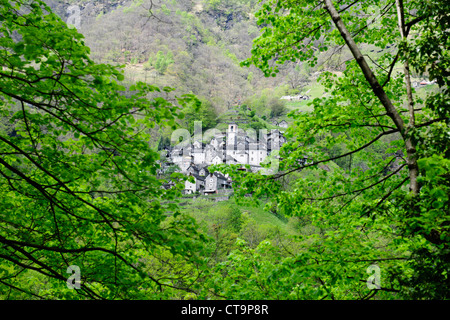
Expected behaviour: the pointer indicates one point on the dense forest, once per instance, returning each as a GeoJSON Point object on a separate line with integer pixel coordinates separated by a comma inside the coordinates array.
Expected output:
{"type": "Point", "coordinates": [91, 93]}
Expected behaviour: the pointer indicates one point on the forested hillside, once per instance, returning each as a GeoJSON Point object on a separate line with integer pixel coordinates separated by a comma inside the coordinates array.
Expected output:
{"type": "Point", "coordinates": [356, 202]}
{"type": "Point", "coordinates": [191, 46]}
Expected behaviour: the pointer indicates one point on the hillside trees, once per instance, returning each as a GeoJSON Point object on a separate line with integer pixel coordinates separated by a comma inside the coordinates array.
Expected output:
{"type": "Point", "coordinates": [206, 56]}
{"type": "Point", "coordinates": [297, 79]}
{"type": "Point", "coordinates": [203, 112]}
{"type": "Point", "coordinates": [160, 62]}
{"type": "Point", "coordinates": [230, 7]}
{"type": "Point", "coordinates": [77, 176]}
{"type": "Point", "coordinates": [277, 107]}
{"type": "Point", "coordinates": [394, 210]}
{"type": "Point", "coordinates": [267, 103]}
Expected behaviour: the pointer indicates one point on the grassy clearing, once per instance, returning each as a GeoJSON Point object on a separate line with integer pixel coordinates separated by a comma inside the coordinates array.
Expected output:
{"type": "Point", "coordinates": [208, 212]}
{"type": "Point", "coordinates": [301, 106]}
{"type": "Point", "coordinates": [313, 90]}
{"type": "Point", "coordinates": [263, 217]}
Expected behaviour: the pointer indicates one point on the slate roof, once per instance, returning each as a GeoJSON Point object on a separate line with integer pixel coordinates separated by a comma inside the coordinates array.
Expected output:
{"type": "Point", "coordinates": [231, 158]}
{"type": "Point", "coordinates": [219, 175]}
{"type": "Point", "coordinates": [201, 178]}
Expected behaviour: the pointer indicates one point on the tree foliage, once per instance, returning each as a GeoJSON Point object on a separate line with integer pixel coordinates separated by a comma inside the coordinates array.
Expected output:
{"type": "Point", "coordinates": [77, 175]}
{"type": "Point", "coordinates": [393, 209]}
{"type": "Point", "coordinates": [160, 62]}
{"type": "Point", "coordinates": [364, 177]}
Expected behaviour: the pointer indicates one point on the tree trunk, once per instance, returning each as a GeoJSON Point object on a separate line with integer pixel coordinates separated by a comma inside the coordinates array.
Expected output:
{"type": "Point", "coordinates": [412, 165]}
{"type": "Point", "coordinates": [380, 93]}
{"type": "Point", "coordinates": [401, 26]}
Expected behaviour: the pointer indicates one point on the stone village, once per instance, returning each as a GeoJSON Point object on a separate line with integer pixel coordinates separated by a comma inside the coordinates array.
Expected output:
{"type": "Point", "coordinates": [235, 146]}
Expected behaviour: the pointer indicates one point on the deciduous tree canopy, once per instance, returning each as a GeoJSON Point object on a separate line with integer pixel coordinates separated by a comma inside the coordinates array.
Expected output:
{"type": "Point", "coordinates": [363, 181]}
{"type": "Point", "coordinates": [394, 210]}
{"type": "Point", "coordinates": [77, 175]}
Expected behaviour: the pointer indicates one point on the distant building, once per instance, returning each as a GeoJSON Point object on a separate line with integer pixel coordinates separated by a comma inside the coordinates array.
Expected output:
{"type": "Point", "coordinates": [215, 182]}
{"type": "Point", "coordinates": [231, 134]}
{"type": "Point", "coordinates": [197, 186]}
{"type": "Point", "coordinates": [283, 124]}
{"type": "Point", "coordinates": [295, 98]}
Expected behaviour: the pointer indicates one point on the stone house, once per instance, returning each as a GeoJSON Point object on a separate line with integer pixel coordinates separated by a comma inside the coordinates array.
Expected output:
{"type": "Point", "coordinates": [199, 156]}
{"type": "Point", "coordinates": [218, 159]}
{"type": "Point", "coordinates": [203, 171]}
{"type": "Point", "coordinates": [215, 182]}
{"type": "Point", "coordinates": [283, 124]}
{"type": "Point", "coordinates": [218, 142]}
{"type": "Point", "coordinates": [231, 160]}
{"type": "Point", "coordinates": [197, 186]}
{"type": "Point", "coordinates": [200, 170]}
{"type": "Point", "coordinates": [210, 152]}
{"type": "Point", "coordinates": [256, 154]}
{"type": "Point", "coordinates": [241, 156]}
{"type": "Point", "coordinates": [198, 145]}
